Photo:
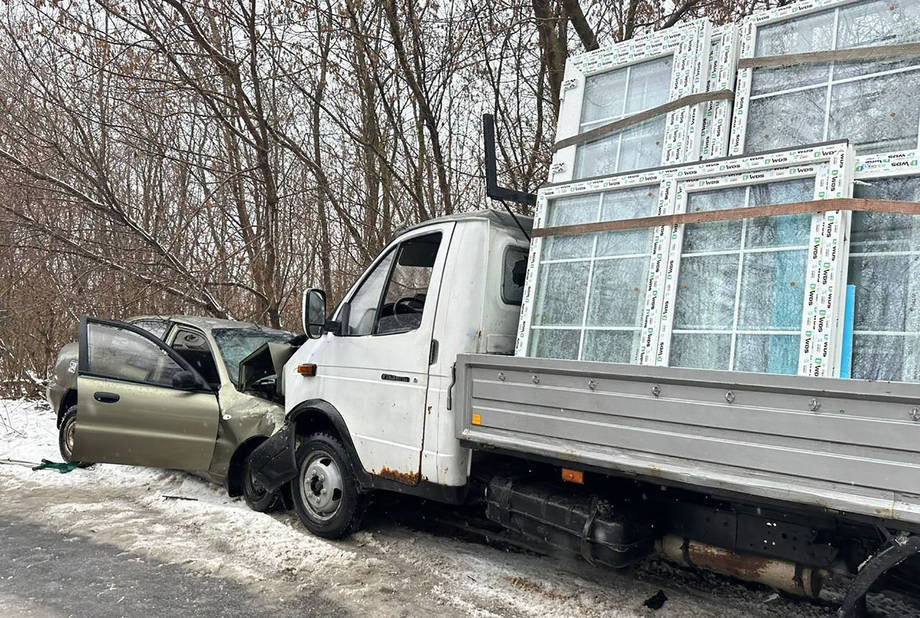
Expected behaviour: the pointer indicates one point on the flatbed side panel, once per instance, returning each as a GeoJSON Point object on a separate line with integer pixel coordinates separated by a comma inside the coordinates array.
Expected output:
{"type": "Point", "coordinates": [847, 445]}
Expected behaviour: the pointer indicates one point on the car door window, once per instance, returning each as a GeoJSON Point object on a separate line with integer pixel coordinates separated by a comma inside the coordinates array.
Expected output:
{"type": "Point", "coordinates": [155, 327]}
{"type": "Point", "coordinates": [407, 288]}
{"type": "Point", "coordinates": [194, 348]}
{"type": "Point", "coordinates": [121, 354]}
{"type": "Point", "coordinates": [362, 309]}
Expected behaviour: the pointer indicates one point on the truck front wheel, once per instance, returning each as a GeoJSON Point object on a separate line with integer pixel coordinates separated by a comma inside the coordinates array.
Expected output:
{"type": "Point", "coordinates": [325, 491]}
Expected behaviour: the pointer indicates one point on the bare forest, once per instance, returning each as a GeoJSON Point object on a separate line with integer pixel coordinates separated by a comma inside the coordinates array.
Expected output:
{"type": "Point", "coordinates": [217, 157]}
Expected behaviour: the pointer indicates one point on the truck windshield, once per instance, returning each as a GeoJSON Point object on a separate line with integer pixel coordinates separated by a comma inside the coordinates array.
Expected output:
{"type": "Point", "coordinates": [235, 344]}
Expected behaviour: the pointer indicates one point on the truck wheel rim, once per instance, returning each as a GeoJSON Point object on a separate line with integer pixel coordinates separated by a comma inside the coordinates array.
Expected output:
{"type": "Point", "coordinates": [68, 437]}
{"type": "Point", "coordinates": [321, 485]}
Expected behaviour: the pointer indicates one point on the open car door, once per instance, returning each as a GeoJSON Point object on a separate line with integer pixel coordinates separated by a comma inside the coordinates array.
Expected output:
{"type": "Point", "coordinates": [139, 402]}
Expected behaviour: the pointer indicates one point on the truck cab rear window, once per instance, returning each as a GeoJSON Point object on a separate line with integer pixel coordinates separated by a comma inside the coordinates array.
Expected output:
{"type": "Point", "coordinates": [513, 273]}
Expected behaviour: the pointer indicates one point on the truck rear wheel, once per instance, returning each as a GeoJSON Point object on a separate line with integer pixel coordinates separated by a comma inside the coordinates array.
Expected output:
{"type": "Point", "coordinates": [325, 490]}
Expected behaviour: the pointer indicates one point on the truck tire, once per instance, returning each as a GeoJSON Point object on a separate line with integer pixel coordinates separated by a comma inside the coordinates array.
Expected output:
{"type": "Point", "coordinates": [65, 436]}
{"type": "Point", "coordinates": [325, 491]}
{"type": "Point", "coordinates": [257, 497]}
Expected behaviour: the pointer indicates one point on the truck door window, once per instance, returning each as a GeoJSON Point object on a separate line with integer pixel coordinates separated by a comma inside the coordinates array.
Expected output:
{"type": "Point", "coordinates": [514, 270]}
{"type": "Point", "coordinates": [362, 313]}
{"type": "Point", "coordinates": [404, 299]}
{"type": "Point", "coordinates": [194, 348]}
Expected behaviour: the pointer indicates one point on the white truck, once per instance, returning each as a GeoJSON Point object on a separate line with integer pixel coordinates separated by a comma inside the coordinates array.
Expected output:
{"type": "Point", "coordinates": [411, 386]}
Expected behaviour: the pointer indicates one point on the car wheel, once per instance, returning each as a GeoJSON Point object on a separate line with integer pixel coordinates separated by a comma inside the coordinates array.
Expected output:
{"type": "Point", "coordinates": [257, 497]}
{"type": "Point", "coordinates": [325, 491]}
{"type": "Point", "coordinates": [65, 436]}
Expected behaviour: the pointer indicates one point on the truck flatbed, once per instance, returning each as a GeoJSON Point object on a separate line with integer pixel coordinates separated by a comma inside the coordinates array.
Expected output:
{"type": "Point", "coordinates": [847, 445]}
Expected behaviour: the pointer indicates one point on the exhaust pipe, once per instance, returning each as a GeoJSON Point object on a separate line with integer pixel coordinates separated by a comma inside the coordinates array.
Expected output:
{"type": "Point", "coordinates": [779, 574]}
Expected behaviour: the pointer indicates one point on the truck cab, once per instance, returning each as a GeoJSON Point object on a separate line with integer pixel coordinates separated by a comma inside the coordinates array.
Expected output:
{"type": "Point", "coordinates": [378, 375]}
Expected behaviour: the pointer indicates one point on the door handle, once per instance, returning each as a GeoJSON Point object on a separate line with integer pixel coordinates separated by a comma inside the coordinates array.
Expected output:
{"type": "Point", "coordinates": [392, 378]}
{"type": "Point", "coordinates": [104, 397]}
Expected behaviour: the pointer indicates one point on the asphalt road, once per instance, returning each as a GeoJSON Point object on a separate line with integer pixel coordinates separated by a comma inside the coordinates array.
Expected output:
{"type": "Point", "coordinates": [47, 573]}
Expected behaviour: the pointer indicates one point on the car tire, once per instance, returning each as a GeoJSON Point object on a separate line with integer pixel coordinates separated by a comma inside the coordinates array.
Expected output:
{"type": "Point", "coordinates": [257, 497]}
{"type": "Point", "coordinates": [65, 437]}
{"type": "Point", "coordinates": [325, 490]}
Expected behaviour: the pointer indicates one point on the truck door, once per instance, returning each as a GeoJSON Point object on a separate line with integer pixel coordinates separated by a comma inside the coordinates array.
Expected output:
{"type": "Point", "coordinates": [376, 373]}
{"type": "Point", "coordinates": [139, 402]}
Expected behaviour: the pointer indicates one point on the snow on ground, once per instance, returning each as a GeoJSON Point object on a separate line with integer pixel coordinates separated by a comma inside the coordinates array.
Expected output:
{"type": "Point", "coordinates": [387, 569]}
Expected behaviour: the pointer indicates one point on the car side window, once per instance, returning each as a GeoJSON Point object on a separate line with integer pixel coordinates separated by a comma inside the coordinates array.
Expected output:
{"type": "Point", "coordinates": [121, 354]}
{"type": "Point", "coordinates": [157, 328]}
{"type": "Point", "coordinates": [195, 349]}
{"type": "Point", "coordinates": [407, 289]}
{"type": "Point", "coordinates": [514, 271]}
{"type": "Point", "coordinates": [362, 309]}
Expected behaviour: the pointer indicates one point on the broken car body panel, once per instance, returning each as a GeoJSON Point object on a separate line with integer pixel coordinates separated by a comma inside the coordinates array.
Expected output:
{"type": "Point", "coordinates": [196, 426]}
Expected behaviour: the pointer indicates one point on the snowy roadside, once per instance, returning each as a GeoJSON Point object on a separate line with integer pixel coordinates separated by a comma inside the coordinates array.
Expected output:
{"type": "Point", "coordinates": [387, 569]}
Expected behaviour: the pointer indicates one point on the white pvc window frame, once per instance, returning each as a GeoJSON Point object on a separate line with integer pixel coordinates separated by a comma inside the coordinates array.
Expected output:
{"type": "Point", "coordinates": [689, 47]}
{"type": "Point", "coordinates": [743, 84]}
{"type": "Point", "coordinates": [830, 166]}
{"type": "Point", "coordinates": [881, 167]}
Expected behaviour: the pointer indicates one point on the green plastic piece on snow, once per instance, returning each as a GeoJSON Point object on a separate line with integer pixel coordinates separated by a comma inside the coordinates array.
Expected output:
{"type": "Point", "coordinates": [62, 467]}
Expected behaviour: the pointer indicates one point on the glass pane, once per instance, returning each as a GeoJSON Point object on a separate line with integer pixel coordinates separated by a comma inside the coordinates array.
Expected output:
{"type": "Point", "coordinates": [611, 346]}
{"type": "Point", "coordinates": [700, 351]}
{"type": "Point", "coordinates": [597, 158]}
{"type": "Point", "coordinates": [514, 271]}
{"type": "Point", "coordinates": [879, 231]}
{"type": "Point", "coordinates": [772, 290]}
{"type": "Point", "coordinates": [706, 292]}
{"type": "Point", "coordinates": [786, 121]}
{"type": "Point", "coordinates": [155, 327]}
{"type": "Point", "coordinates": [784, 231]}
{"type": "Point", "coordinates": [775, 79]}
{"type": "Point", "coordinates": [362, 312]}
{"type": "Point", "coordinates": [886, 357]}
{"type": "Point", "coordinates": [878, 114]}
{"type": "Point", "coordinates": [882, 22]}
{"type": "Point", "coordinates": [627, 204]}
{"type": "Point", "coordinates": [792, 36]}
{"type": "Point", "coordinates": [767, 353]}
{"type": "Point", "coordinates": [554, 343]}
{"type": "Point", "coordinates": [642, 145]}
{"type": "Point", "coordinates": [641, 148]}
{"type": "Point", "coordinates": [649, 84]}
{"type": "Point", "coordinates": [887, 292]}
{"type": "Point", "coordinates": [123, 355]}
{"type": "Point", "coordinates": [570, 211]}
{"type": "Point", "coordinates": [407, 290]}
{"type": "Point", "coordinates": [561, 294]}
{"type": "Point", "coordinates": [604, 97]}
{"type": "Point", "coordinates": [618, 292]}
{"type": "Point", "coordinates": [718, 235]}
{"type": "Point", "coordinates": [886, 232]}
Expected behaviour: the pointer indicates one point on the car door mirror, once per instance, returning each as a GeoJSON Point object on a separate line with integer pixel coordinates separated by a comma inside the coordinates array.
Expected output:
{"type": "Point", "coordinates": [185, 380]}
{"type": "Point", "coordinates": [313, 313]}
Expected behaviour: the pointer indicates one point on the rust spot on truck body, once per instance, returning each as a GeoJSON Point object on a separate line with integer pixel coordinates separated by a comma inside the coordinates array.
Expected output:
{"type": "Point", "coordinates": [406, 478]}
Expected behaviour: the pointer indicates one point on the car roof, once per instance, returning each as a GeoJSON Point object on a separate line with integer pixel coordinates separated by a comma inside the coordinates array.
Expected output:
{"type": "Point", "coordinates": [203, 322]}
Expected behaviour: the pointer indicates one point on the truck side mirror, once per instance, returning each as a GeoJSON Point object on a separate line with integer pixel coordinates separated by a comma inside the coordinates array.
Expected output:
{"type": "Point", "coordinates": [313, 314]}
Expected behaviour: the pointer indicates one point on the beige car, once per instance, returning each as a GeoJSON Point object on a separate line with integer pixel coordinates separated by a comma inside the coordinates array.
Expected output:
{"type": "Point", "coordinates": [167, 392]}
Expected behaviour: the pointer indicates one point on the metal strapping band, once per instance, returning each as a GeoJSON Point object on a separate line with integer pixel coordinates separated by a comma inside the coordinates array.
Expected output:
{"type": "Point", "coordinates": [586, 552]}
{"type": "Point", "coordinates": [772, 210]}
{"type": "Point", "coordinates": [623, 123]}
{"type": "Point", "coordinates": [904, 50]}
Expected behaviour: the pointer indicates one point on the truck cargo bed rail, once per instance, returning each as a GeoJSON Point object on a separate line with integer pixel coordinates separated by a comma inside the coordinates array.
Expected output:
{"type": "Point", "coordinates": [846, 445]}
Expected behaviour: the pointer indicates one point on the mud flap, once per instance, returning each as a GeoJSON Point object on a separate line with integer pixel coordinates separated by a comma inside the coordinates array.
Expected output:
{"type": "Point", "coordinates": [274, 462]}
